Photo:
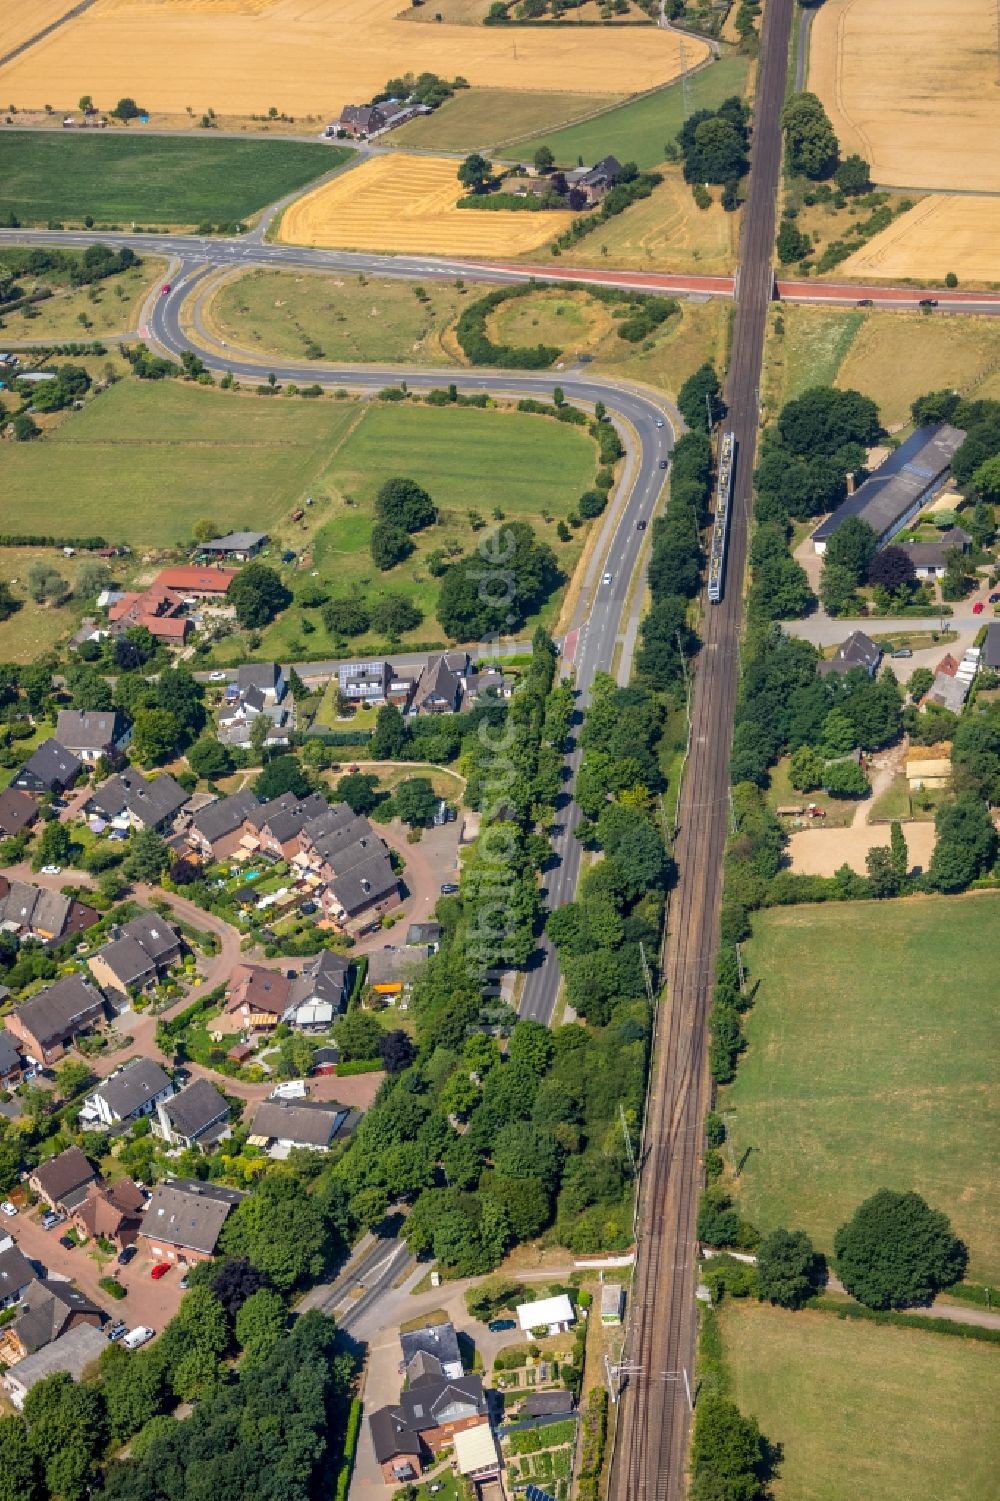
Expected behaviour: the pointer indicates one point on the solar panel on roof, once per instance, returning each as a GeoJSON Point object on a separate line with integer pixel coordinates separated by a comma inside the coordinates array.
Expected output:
{"type": "Point", "coordinates": [534, 1494]}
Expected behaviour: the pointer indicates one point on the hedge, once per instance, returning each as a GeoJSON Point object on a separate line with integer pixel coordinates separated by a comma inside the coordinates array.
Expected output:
{"type": "Point", "coordinates": [908, 1320]}
{"type": "Point", "coordinates": [359, 1066]}
{"type": "Point", "coordinates": [28, 539]}
{"type": "Point", "coordinates": [530, 204]}
{"type": "Point", "coordinates": [350, 1448]}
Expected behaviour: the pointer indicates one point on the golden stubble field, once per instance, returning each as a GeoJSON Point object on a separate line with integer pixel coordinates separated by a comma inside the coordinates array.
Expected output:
{"type": "Point", "coordinates": [943, 233]}
{"type": "Point", "coordinates": [314, 56]}
{"type": "Point", "coordinates": [407, 204]}
{"type": "Point", "coordinates": [913, 86]}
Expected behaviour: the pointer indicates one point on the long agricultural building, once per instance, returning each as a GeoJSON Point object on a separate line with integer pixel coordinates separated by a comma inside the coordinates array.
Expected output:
{"type": "Point", "coordinates": [899, 488]}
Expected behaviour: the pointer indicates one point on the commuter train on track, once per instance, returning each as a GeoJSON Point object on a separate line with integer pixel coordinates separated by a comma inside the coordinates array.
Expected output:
{"type": "Point", "coordinates": [720, 529]}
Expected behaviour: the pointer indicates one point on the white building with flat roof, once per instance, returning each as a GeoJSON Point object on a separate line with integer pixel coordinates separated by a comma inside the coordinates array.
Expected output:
{"type": "Point", "coordinates": [554, 1315]}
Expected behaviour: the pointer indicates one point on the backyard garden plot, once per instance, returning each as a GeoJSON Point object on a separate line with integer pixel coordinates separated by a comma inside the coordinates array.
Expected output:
{"type": "Point", "coordinates": [918, 98]}
{"type": "Point", "coordinates": [943, 233]}
{"type": "Point", "coordinates": [314, 56]}
{"type": "Point", "coordinates": [871, 1063]}
{"type": "Point", "coordinates": [407, 204]}
{"type": "Point", "coordinates": [865, 1410]}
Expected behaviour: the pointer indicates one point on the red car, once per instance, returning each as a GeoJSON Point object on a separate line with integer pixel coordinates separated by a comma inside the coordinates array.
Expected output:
{"type": "Point", "coordinates": [977, 608]}
{"type": "Point", "coordinates": [160, 1270]}
{"type": "Point", "coordinates": [165, 289]}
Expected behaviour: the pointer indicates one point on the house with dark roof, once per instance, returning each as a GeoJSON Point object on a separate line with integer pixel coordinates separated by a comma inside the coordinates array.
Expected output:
{"type": "Point", "coordinates": [438, 689]}
{"type": "Point", "coordinates": [195, 1117]}
{"type": "Point", "coordinates": [440, 1342]}
{"type": "Point", "coordinates": [280, 1125]}
{"type": "Point", "coordinates": [393, 969]}
{"type": "Point", "coordinates": [63, 1180]}
{"type": "Point", "coordinates": [47, 1310]}
{"type": "Point", "coordinates": [74, 1353]}
{"type": "Point", "coordinates": [930, 559]}
{"type": "Point", "coordinates": [991, 647]}
{"type": "Point", "coordinates": [111, 1212]}
{"type": "Point", "coordinates": [366, 682]}
{"type": "Point", "coordinates": [51, 768]}
{"type": "Point", "coordinates": [257, 997]}
{"type": "Point", "coordinates": [858, 650]}
{"type": "Point", "coordinates": [900, 487]}
{"type": "Point", "coordinates": [267, 677]}
{"type": "Point", "coordinates": [139, 955]}
{"type": "Point", "coordinates": [11, 1062]}
{"type": "Point", "coordinates": [50, 1021]}
{"type": "Point", "coordinates": [184, 1219]}
{"type": "Point", "coordinates": [217, 829]}
{"type": "Point", "coordinates": [91, 734]}
{"type": "Point", "coordinates": [16, 1276]}
{"type": "Point", "coordinates": [362, 120]}
{"type": "Point", "coordinates": [408, 1435]}
{"type": "Point", "coordinates": [318, 993]}
{"type": "Point", "coordinates": [275, 826]}
{"type": "Point", "coordinates": [130, 800]}
{"type": "Point", "coordinates": [128, 1095]}
{"type": "Point", "coordinates": [546, 1405]}
{"type": "Point", "coordinates": [596, 181]}
{"type": "Point", "coordinates": [18, 812]}
{"type": "Point", "coordinates": [39, 912]}
{"type": "Point", "coordinates": [239, 547]}
{"type": "Point", "coordinates": [424, 935]}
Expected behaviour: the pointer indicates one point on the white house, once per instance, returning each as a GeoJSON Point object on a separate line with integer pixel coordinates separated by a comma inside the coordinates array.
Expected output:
{"type": "Point", "coordinates": [133, 1092]}
{"type": "Point", "coordinates": [554, 1315]}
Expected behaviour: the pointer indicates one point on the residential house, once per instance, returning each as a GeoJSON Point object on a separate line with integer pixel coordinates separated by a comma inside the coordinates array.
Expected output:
{"type": "Point", "coordinates": [184, 1219]}
{"type": "Point", "coordinates": [438, 1341]}
{"type": "Point", "coordinates": [366, 682]}
{"type": "Point", "coordinates": [476, 1454]}
{"type": "Point", "coordinates": [237, 719]}
{"type": "Point", "coordinates": [111, 1212]}
{"type": "Point", "coordinates": [74, 1353]}
{"type": "Point", "coordinates": [900, 487]}
{"type": "Point", "coordinates": [596, 181]}
{"type": "Point", "coordinates": [554, 1315]}
{"type": "Point", "coordinates": [267, 677]}
{"type": "Point", "coordinates": [424, 935]}
{"type": "Point", "coordinates": [216, 830]}
{"type": "Point", "coordinates": [427, 1418]}
{"type": "Point", "coordinates": [858, 650]}
{"type": "Point", "coordinates": [18, 812]}
{"type": "Point", "coordinates": [51, 768]}
{"type": "Point", "coordinates": [63, 1180]}
{"type": "Point", "coordinates": [438, 689]}
{"type": "Point", "coordinates": [198, 583]}
{"type": "Point", "coordinates": [131, 801]}
{"type": "Point", "coordinates": [38, 912]}
{"type": "Point", "coordinates": [319, 993]}
{"type": "Point", "coordinates": [159, 610]}
{"type": "Point", "coordinates": [236, 546]}
{"type": "Point", "coordinates": [276, 826]}
{"type": "Point", "coordinates": [947, 692]}
{"type": "Point", "coordinates": [488, 686]}
{"type": "Point", "coordinates": [128, 1095]}
{"type": "Point", "coordinates": [401, 689]}
{"type": "Point", "coordinates": [50, 1021]}
{"type": "Point", "coordinates": [280, 1125]}
{"type": "Point", "coordinates": [195, 1117]}
{"type": "Point", "coordinates": [138, 956]}
{"type": "Point", "coordinates": [392, 970]}
{"type": "Point", "coordinates": [991, 647]}
{"type": "Point", "coordinates": [930, 559]}
{"type": "Point", "coordinates": [16, 1276]}
{"type": "Point", "coordinates": [366, 121]}
{"type": "Point", "coordinates": [91, 734]}
{"type": "Point", "coordinates": [11, 1062]}
{"type": "Point", "coordinates": [47, 1310]}
{"type": "Point", "coordinates": [257, 997]}
{"type": "Point", "coordinates": [928, 765]}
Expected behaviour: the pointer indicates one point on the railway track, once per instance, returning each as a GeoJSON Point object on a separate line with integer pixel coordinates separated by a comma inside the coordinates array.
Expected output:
{"type": "Point", "coordinates": [650, 1456]}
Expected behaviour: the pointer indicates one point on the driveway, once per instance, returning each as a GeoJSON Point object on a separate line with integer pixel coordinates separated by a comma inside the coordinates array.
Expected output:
{"type": "Point", "coordinates": [430, 862]}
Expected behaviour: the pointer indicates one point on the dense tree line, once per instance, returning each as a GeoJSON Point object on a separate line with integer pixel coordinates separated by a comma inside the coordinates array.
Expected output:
{"type": "Point", "coordinates": [666, 639]}
{"type": "Point", "coordinates": [646, 313]}
{"type": "Point", "coordinates": [715, 146]}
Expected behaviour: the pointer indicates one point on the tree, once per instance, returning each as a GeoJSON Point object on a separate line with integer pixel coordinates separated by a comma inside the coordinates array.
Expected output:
{"type": "Point", "coordinates": [396, 1051]}
{"type": "Point", "coordinates": [806, 769]}
{"type": "Point", "coordinates": [883, 880]}
{"type": "Point", "coordinates": [53, 846]}
{"type": "Point", "coordinates": [91, 579]}
{"type": "Point", "coordinates": [260, 1324]}
{"type": "Point", "coordinates": [204, 530]}
{"type": "Point", "coordinates": [698, 399]}
{"type": "Point", "coordinates": [357, 790]}
{"type": "Point", "coordinates": [853, 175]}
{"type": "Point", "coordinates": [495, 589]}
{"type": "Point", "coordinates": [986, 478]}
{"type": "Point", "coordinates": [523, 1150]}
{"type": "Point", "coordinates": [475, 172]}
{"type": "Point", "coordinates": [810, 139]}
{"type": "Point", "coordinates": [24, 427]}
{"type": "Point", "coordinates": [718, 152]}
{"type": "Point", "coordinates": [133, 1391]}
{"type": "Point", "coordinates": [359, 1035]}
{"type": "Point", "coordinates": [837, 589]}
{"type": "Point", "coordinates": [852, 547]}
{"type": "Point", "coordinates": [234, 1282]}
{"type": "Point", "coordinates": [20, 1472]}
{"type": "Point", "coordinates": [727, 1453]}
{"type": "Point", "coordinates": [390, 734]}
{"type": "Point", "coordinates": [789, 1272]}
{"type": "Point", "coordinates": [283, 774]}
{"type": "Point", "coordinates": [209, 758]}
{"type": "Point", "coordinates": [897, 1251]}
{"type": "Point", "coordinates": [544, 160]}
{"type": "Point", "coordinates": [257, 594]}
{"type": "Point", "coordinates": [393, 614]}
{"type": "Point", "coordinates": [389, 545]}
{"type": "Point", "coordinates": [154, 736]}
{"type": "Point", "coordinates": [45, 584]}
{"type": "Point", "coordinates": [415, 801]}
{"type": "Point", "coordinates": [146, 856]}
{"type": "Point", "coordinates": [892, 568]}
{"type": "Point", "coordinates": [280, 1230]}
{"type": "Point", "coordinates": [793, 245]}
{"type": "Point", "coordinates": [126, 109]}
{"type": "Point", "coordinates": [845, 779]}
{"type": "Point", "coordinates": [898, 850]}
{"type": "Point", "coordinates": [346, 617]}
{"type": "Point", "coordinates": [66, 1432]}
{"type": "Point", "coordinates": [824, 419]}
{"type": "Point", "coordinates": [966, 844]}
{"type": "Point", "coordinates": [405, 504]}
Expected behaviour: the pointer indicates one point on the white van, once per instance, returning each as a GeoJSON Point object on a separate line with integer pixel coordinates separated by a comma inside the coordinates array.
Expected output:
{"type": "Point", "coordinates": [138, 1336]}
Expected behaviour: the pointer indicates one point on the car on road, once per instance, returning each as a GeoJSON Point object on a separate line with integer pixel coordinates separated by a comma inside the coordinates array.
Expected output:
{"type": "Point", "coordinates": [216, 677]}
{"type": "Point", "coordinates": [67, 1242]}
{"type": "Point", "coordinates": [138, 1336]}
{"type": "Point", "coordinates": [127, 1254]}
{"type": "Point", "coordinates": [606, 579]}
{"type": "Point", "coordinates": [640, 526]}
{"type": "Point", "coordinates": [928, 302]}
{"type": "Point", "coordinates": [117, 1330]}
{"type": "Point", "coordinates": [902, 651]}
{"type": "Point", "coordinates": [978, 607]}
{"type": "Point", "coordinates": [164, 290]}
{"type": "Point", "coordinates": [448, 888]}
{"type": "Point", "coordinates": [51, 870]}
{"type": "Point", "coordinates": [8, 1209]}
{"type": "Point", "coordinates": [160, 1270]}
{"type": "Point", "coordinates": [659, 421]}
{"type": "Point", "coordinates": [865, 302]}
{"type": "Point", "coordinates": [498, 1326]}
{"type": "Point", "coordinates": [664, 463]}
{"type": "Point", "coordinates": [52, 1219]}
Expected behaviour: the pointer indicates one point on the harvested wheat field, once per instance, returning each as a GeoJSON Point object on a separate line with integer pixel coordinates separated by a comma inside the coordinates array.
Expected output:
{"type": "Point", "coordinates": [407, 204]}
{"type": "Point", "coordinates": [942, 234]}
{"type": "Point", "coordinates": [913, 88]}
{"type": "Point", "coordinates": [665, 230]}
{"type": "Point", "coordinates": [314, 56]}
{"type": "Point", "coordinates": [895, 357]}
{"type": "Point", "coordinates": [17, 24]}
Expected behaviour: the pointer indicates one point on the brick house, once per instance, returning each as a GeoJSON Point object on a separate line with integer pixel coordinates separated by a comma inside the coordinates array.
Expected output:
{"type": "Point", "coordinates": [184, 1219]}
{"type": "Point", "coordinates": [50, 1021]}
{"type": "Point", "coordinates": [63, 1181]}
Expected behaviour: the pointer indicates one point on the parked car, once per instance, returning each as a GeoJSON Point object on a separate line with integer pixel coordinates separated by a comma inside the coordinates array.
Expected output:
{"type": "Point", "coordinates": [498, 1326]}
{"type": "Point", "coordinates": [448, 888]}
{"type": "Point", "coordinates": [117, 1330]}
{"type": "Point", "coordinates": [137, 1337]}
{"type": "Point", "coordinates": [8, 1209]}
{"type": "Point", "coordinates": [902, 651]}
{"type": "Point", "coordinates": [994, 598]}
{"type": "Point", "coordinates": [183, 1284]}
{"type": "Point", "coordinates": [51, 870]}
{"type": "Point", "coordinates": [129, 1253]}
{"type": "Point", "coordinates": [216, 677]}
{"type": "Point", "coordinates": [52, 1219]}
{"type": "Point", "coordinates": [977, 608]}
{"type": "Point", "coordinates": [160, 1270]}
{"type": "Point", "coordinates": [67, 1242]}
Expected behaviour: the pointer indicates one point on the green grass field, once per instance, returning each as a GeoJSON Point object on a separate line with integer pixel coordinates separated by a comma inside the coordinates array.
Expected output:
{"type": "Point", "coordinates": [488, 119]}
{"type": "Point", "coordinates": [109, 307]}
{"type": "Point", "coordinates": [865, 1411]}
{"type": "Point", "coordinates": [872, 1062]}
{"type": "Point", "coordinates": [637, 131]}
{"type": "Point", "coordinates": [347, 318]}
{"type": "Point", "coordinates": [468, 460]}
{"type": "Point", "coordinates": [143, 461]}
{"type": "Point", "coordinates": [153, 179]}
